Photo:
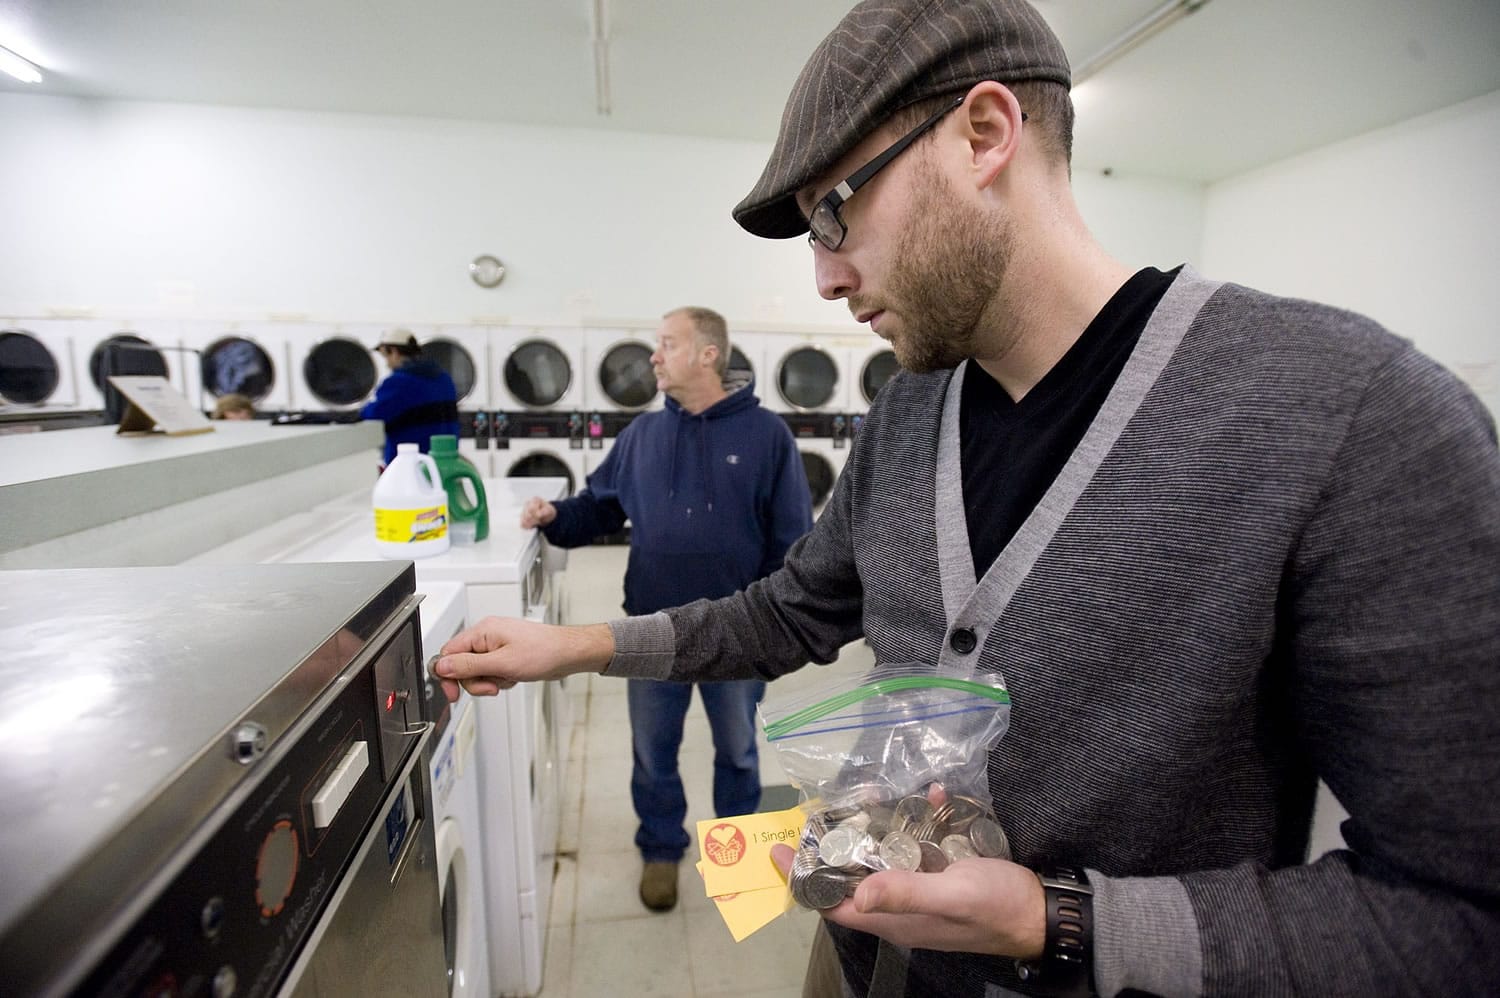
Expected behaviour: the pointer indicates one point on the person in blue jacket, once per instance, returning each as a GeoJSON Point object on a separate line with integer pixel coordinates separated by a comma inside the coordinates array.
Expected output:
{"type": "Point", "coordinates": [715, 493]}
{"type": "Point", "coordinates": [416, 401]}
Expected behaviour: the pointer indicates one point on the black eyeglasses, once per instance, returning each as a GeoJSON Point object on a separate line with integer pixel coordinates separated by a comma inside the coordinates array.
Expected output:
{"type": "Point", "coordinates": [825, 225]}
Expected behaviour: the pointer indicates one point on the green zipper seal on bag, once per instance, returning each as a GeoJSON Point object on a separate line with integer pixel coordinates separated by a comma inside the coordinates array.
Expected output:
{"type": "Point", "coordinates": [807, 715]}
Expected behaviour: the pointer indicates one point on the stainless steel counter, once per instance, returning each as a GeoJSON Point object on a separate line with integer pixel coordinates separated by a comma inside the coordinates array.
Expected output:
{"type": "Point", "coordinates": [123, 692]}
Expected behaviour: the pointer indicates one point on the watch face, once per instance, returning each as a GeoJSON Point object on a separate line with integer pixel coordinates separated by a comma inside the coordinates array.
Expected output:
{"type": "Point", "coordinates": [487, 271]}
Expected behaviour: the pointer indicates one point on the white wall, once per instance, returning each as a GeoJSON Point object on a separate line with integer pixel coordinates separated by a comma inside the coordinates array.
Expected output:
{"type": "Point", "coordinates": [1402, 224]}
{"type": "Point", "coordinates": [136, 209]}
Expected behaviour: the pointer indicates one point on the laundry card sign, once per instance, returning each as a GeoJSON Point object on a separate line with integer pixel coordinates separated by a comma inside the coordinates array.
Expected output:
{"type": "Point", "coordinates": [736, 852]}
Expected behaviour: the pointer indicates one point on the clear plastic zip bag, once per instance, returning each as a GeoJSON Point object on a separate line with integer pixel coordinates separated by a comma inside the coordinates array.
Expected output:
{"type": "Point", "coordinates": [890, 766]}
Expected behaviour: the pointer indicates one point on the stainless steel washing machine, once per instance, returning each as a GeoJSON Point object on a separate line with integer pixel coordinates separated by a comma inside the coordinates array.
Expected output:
{"type": "Point", "coordinates": [214, 783]}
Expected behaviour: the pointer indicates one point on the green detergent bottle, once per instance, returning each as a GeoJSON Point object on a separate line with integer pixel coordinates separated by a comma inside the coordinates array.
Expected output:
{"type": "Point", "coordinates": [468, 514]}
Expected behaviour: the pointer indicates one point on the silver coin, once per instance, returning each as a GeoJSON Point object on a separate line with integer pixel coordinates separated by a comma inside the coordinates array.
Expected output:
{"type": "Point", "coordinates": [837, 846]}
{"type": "Point", "coordinates": [956, 847]}
{"type": "Point", "coordinates": [900, 851]}
{"type": "Point", "coordinates": [989, 838]}
{"type": "Point", "coordinates": [912, 811]}
{"type": "Point", "coordinates": [824, 889]}
{"type": "Point", "coordinates": [933, 858]}
{"type": "Point", "coordinates": [962, 811]}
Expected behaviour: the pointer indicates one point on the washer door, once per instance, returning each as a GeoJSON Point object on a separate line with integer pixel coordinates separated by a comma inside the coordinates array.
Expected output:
{"type": "Point", "coordinates": [124, 354]}
{"type": "Point", "coordinates": [339, 372]}
{"type": "Point", "coordinates": [463, 948]}
{"type": "Point", "coordinates": [453, 358]}
{"type": "Point", "coordinates": [625, 375]}
{"type": "Point", "coordinates": [537, 373]}
{"type": "Point", "coordinates": [28, 372]}
{"type": "Point", "coordinates": [879, 369]}
{"type": "Point", "coordinates": [540, 464]}
{"type": "Point", "coordinates": [806, 378]}
{"type": "Point", "coordinates": [820, 476]}
{"type": "Point", "coordinates": [236, 364]}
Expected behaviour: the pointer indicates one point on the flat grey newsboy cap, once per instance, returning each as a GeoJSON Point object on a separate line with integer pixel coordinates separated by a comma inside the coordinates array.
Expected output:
{"type": "Point", "coordinates": [884, 55]}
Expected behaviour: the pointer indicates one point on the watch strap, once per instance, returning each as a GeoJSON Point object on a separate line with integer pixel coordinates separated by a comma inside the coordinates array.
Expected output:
{"type": "Point", "coordinates": [1066, 966]}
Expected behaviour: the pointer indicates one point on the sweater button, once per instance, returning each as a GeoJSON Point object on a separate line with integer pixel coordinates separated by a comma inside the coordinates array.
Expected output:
{"type": "Point", "coordinates": [962, 641]}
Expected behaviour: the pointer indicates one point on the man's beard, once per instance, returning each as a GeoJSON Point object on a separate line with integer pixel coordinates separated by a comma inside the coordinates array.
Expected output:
{"type": "Point", "coordinates": [948, 265]}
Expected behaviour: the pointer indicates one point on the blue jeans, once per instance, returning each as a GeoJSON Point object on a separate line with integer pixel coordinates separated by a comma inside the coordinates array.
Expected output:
{"type": "Point", "coordinates": [656, 713]}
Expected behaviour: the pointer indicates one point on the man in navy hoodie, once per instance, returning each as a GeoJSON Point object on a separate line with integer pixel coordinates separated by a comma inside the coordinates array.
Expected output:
{"type": "Point", "coordinates": [416, 401]}
{"type": "Point", "coordinates": [715, 493]}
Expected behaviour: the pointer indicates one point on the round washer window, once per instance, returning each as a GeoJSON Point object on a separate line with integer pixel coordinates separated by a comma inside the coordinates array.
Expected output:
{"type": "Point", "coordinates": [541, 466]}
{"type": "Point", "coordinates": [819, 476]}
{"type": "Point", "coordinates": [235, 364]}
{"type": "Point", "coordinates": [454, 359]}
{"type": "Point", "coordinates": [538, 373]}
{"type": "Point", "coordinates": [739, 362]}
{"type": "Point", "coordinates": [878, 370]}
{"type": "Point", "coordinates": [626, 377]}
{"type": "Point", "coordinates": [124, 354]}
{"type": "Point", "coordinates": [339, 371]}
{"type": "Point", "coordinates": [806, 378]}
{"type": "Point", "coordinates": [28, 372]}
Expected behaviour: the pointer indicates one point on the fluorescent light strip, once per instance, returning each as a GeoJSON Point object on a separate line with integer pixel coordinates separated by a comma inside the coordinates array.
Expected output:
{"type": "Point", "coordinates": [1151, 24]}
{"type": "Point", "coordinates": [19, 68]}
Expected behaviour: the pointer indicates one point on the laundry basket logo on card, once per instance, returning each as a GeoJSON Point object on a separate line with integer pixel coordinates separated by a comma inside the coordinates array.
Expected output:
{"type": "Point", "coordinates": [725, 845]}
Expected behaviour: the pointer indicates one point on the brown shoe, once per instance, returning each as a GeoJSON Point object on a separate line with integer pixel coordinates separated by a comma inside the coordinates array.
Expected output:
{"type": "Point", "coordinates": [659, 886]}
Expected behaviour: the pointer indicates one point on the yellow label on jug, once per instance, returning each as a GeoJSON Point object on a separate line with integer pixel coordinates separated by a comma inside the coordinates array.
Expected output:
{"type": "Point", "coordinates": [407, 526]}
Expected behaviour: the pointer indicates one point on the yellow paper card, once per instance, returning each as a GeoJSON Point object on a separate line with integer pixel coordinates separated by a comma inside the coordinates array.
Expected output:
{"type": "Point", "coordinates": [736, 852]}
{"type": "Point", "coordinates": [748, 911]}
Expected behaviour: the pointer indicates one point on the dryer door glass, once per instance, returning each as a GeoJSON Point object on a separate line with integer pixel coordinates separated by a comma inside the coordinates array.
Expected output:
{"type": "Point", "coordinates": [454, 359]}
{"type": "Point", "coordinates": [625, 375]}
{"type": "Point", "coordinates": [878, 370]}
{"type": "Point", "coordinates": [233, 364]}
{"type": "Point", "coordinates": [339, 371]}
{"type": "Point", "coordinates": [28, 372]}
{"type": "Point", "coordinates": [806, 378]}
{"type": "Point", "coordinates": [124, 354]}
{"type": "Point", "coordinates": [541, 466]}
{"type": "Point", "coordinates": [819, 476]}
{"type": "Point", "coordinates": [538, 373]}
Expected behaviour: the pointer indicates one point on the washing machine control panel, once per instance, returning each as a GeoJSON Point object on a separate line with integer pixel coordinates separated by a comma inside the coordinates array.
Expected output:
{"type": "Point", "coordinates": [234, 919]}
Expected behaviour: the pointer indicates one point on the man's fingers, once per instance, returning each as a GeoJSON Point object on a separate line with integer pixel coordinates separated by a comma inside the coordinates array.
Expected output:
{"type": "Point", "coordinates": [894, 892]}
{"type": "Point", "coordinates": [782, 855]}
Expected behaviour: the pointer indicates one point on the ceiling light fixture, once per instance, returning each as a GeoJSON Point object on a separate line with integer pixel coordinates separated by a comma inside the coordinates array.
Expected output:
{"type": "Point", "coordinates": [1153, 23]}
{"type": "Point", "coordinates": [601, 57]}
{"type": "Point", "coordinates": [18, 67]}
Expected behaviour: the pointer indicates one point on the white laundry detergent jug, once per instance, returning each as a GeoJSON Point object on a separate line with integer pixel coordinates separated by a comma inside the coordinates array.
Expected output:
{"type": "Point", "coordinates": [411, 506]}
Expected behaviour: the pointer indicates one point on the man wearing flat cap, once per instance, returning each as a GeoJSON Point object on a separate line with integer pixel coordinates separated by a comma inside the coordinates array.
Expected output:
{"type": "Point", "coordinates": [417, 400]}
{"type": "Point", "coordinates": [1220, 545]}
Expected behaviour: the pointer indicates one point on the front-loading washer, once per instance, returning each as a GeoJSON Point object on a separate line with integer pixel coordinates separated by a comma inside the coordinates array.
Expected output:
{"type": "Point", "coordinates": [540, 445]}
{"type": "Point", "coordinates": [618, 366]}
{"type": "Point", "coordinates": [127, 348]}
{"type": "Point", "coordinates": [456, 799]}
{"type": "Point", "coordinates": [40, 365]}
{"type": "Point", "coordinates": [464, 352]}
{"type": "Point", "coordinates": [537, 369]}
{"type": "Point", "coordinates": [246, 358]}
{"type": "Point", "coordinates": [335, 369]}
{"type": "Point", "coordinates": [823, 442]}
{"type": "Point", "coordinates": [873, 367]}
{"type": "Point", "coordinates": [807, 374]}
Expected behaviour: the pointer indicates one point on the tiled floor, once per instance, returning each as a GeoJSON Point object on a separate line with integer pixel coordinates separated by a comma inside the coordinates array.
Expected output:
{"type": "Point", "coordinates": [601, 941]}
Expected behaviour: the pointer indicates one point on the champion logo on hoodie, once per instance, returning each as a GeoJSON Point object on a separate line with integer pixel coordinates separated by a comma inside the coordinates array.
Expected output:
{"type": "Point", "coordinates": [732, 459]}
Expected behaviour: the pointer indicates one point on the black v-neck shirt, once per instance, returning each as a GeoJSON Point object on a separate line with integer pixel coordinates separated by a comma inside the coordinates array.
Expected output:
{"type": "Point", "coordinates": [1011, 451]}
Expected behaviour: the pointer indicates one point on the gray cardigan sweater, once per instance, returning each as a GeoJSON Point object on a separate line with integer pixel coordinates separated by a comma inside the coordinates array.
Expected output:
{"type": "Point", "coordinates": [1273, 557]}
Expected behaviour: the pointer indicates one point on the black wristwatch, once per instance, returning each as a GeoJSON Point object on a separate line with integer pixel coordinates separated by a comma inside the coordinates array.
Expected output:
{"type": "Point", "coordinates": [1066, 968]}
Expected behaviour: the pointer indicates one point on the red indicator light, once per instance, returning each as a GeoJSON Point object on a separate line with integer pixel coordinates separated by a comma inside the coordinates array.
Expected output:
{"type": "Point", "coordinates": [390, 701]}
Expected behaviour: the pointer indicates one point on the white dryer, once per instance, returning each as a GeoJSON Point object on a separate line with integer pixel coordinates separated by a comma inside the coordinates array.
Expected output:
{"type": "Point", "coordinates": [536, 369]}
{"type": "Point", "coordinates": [40, 365]}
{"type": "Point", "coordinates": [251, 358]}
{"type": "Point", "coordinates": [540, 445]}
{"type": "Point", "coordinates": [115, 347]}
{"type": "Point", "coordinates": [807, 374]}
{"type": "Point", "coordinates": [873, 367]}
{"type": "Point", "coordinates": [464, 352]}
{"type": "Point", "coordinates": [335, 369]}
{"type": "Point", "coordinates": [747, 353]}
{"type": "Point", "coordinates": [618, 366]}
{"type": "Point", "coordinates": [823, 441]}
{"type": "Point", "coordinates": [453, 763]}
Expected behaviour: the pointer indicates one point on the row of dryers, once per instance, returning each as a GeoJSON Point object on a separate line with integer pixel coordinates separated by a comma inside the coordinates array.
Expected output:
{"type": "Point", "coordinates": [63, 364]}
{"type": "Point", "coordinates": [571, 445]}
